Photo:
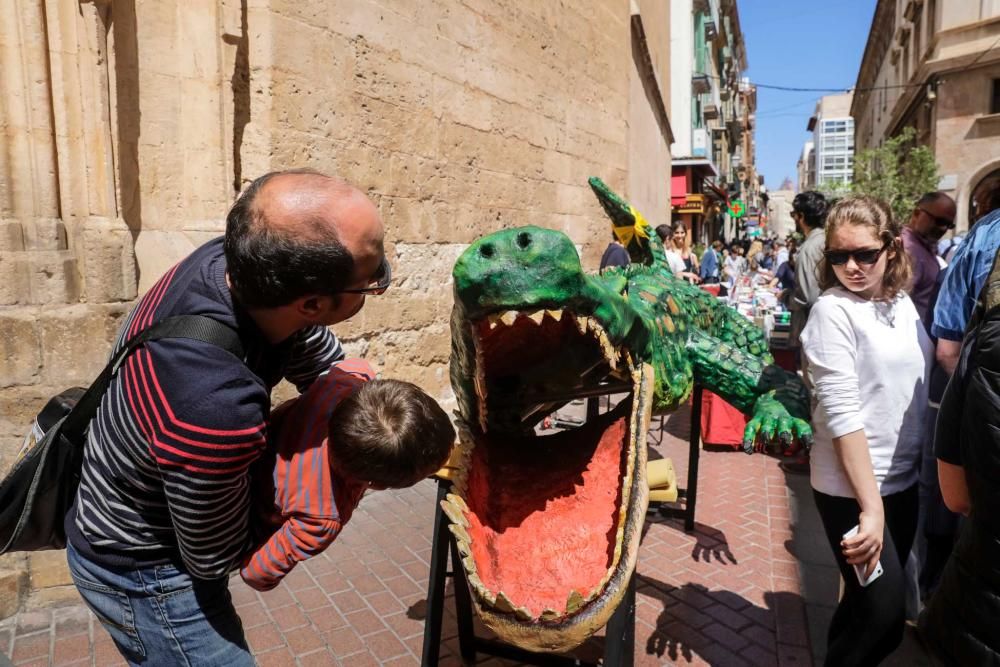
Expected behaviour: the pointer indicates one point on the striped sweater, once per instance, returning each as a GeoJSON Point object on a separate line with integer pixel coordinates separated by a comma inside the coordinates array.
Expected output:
{"type": "Point", "coordinates": [165, 470]}
{"type": "Point", "coordinates": [313, 502]}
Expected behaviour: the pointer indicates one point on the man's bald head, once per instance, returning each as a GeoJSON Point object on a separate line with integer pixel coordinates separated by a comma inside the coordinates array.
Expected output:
{"type": "Point", "coordinates": [299, 232]}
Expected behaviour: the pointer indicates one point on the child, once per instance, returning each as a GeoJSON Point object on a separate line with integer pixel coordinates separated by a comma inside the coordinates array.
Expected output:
{"type": "Point", "coordinates": [349, 432]}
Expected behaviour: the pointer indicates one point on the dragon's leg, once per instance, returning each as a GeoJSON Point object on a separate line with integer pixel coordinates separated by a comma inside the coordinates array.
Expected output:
{"type": "Point", "coordinates": [776, 400]}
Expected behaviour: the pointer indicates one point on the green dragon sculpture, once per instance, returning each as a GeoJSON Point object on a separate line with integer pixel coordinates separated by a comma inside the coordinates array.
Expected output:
{"type": "Point", "coordinates": [549, 526]}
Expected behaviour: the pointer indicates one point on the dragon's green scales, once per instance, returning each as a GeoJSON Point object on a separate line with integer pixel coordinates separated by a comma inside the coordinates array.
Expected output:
{"type": "Point", "coordinates": [548, 526]}
{"type": "Point", "coordinates": [678, 328]}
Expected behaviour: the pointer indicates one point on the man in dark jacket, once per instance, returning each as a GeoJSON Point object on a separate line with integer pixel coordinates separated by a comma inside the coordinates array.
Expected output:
{"type": "Point", "coordinates": [962, 620]}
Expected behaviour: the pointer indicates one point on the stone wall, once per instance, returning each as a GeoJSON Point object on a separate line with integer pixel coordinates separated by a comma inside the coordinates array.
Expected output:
{"type": "Point", "coordinates": [129, 127]}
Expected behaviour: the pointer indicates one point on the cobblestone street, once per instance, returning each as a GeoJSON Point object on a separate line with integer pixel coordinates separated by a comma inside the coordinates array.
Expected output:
{"type": "Point", "coordinates": [729, 594]}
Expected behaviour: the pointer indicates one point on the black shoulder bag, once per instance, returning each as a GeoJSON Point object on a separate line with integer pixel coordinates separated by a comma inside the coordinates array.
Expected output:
{"type": "Point", "coordinates": [39, 490]}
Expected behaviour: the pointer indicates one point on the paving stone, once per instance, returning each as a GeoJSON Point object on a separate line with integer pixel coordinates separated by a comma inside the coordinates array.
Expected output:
{"type": "Point", "coordinates": [31, 646]}
{"type": "Point", "coordinates": [385, 645]}
{"type": "Point", "coordinates": [68, 649]}
{"type": "Point", "coordinates": [303, 640]}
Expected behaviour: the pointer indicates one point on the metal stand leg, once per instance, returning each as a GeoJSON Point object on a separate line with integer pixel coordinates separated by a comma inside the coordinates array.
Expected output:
{"type": "Point", "coordinates": [619, 642]}
{"type": "Point", "coordinates": [435, 584]}
{"type": "Point", "coordinates": [694, 453]}
{"type": "Point", "coordinates": [463, 607]}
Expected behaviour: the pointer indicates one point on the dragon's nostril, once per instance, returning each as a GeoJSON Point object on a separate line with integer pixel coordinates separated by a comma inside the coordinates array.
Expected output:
{"type": "Point", "coordinates": [523, 240]}
{"type": "Point", "coordinates": [486, 250]}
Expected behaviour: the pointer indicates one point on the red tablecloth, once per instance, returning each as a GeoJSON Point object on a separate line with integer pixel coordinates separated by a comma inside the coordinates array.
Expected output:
{"type": "Point", "coordinates": [721, 423]}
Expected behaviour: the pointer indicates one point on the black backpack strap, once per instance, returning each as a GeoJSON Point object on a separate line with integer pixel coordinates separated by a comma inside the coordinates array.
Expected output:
{"type": "Point", "coordinates": [196, 327]}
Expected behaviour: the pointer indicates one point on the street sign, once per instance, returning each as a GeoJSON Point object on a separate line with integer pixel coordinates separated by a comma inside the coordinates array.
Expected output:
{"type": "Point", "coordinates": [736, 208]}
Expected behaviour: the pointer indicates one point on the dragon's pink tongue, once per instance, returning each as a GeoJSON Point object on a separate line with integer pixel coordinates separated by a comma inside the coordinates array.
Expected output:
{"type": "Point", "coordinates": [543, 513]}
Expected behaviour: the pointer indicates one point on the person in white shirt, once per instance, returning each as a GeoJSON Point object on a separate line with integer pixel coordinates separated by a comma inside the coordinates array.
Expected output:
{"type": "Point", "coordinates": [674, 251]}
{"type": "Point", "coordinates": [868, 360]}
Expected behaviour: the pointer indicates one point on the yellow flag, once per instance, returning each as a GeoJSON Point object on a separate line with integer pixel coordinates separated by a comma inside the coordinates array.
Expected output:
{"type": "Point", "coordinates": [639, 228]}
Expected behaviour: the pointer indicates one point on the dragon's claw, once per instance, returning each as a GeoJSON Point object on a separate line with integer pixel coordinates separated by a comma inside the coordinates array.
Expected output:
{"type": "Point", "coordinates": [773, 429]}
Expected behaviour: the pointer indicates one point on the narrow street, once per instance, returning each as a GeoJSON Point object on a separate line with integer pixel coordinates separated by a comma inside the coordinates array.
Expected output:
{"type": "Point", "coordinates": [751, 586]}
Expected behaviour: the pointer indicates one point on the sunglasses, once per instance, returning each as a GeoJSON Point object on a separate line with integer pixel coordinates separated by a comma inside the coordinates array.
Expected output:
{"type": "Point", "coordinates": [378, 283]}
{"type": "Point", "coordinates": [940, 222]}
{"type": "Point", "coordinates": [840, 257]}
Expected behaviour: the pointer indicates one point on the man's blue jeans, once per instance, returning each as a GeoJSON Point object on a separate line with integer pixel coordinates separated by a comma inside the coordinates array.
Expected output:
{"type": "Point", "coordinates": [160, 615]}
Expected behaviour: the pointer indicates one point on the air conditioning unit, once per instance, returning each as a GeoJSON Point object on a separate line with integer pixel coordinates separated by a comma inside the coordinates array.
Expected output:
{"type": "Point", "coordinates": [700, 84]}
{"type": "Point", "coordinates": [699, 142]}
{"type": "Point", "coordinates": [711, 32]}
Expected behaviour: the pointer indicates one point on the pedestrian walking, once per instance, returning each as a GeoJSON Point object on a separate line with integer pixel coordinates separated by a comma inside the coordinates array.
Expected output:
{"type": "Point", "coordinates": [809, 212]}
{"type": "Point", "coordinates": [932, 217]}
{"type": "Point", "coordinates": [711, 262]}
{"type": "Point", "coordinates": [615, 254]}
{"type": "Point", "coordinates": [868, 358]}
{"type": "Point", "coordinates": [962, 617]}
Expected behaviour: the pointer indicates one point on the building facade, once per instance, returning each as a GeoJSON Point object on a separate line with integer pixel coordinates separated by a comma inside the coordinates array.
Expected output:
{"type": "Point", "coordinates": [779, 213]}
{"type": "Point", "coordinates": [128, 128]}
{"type": "Point", "coordinates": [934, 65]}
{"type": "Point", "coordinates": [712, 109]}
{"type": "Point", "coordinates": [833, 142]}
{"type": "Point", "coordinates": [805, 168]}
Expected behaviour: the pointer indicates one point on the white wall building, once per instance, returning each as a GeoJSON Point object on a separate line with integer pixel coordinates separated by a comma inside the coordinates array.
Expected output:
{"type": "Point", "coordinates": [833, 140]}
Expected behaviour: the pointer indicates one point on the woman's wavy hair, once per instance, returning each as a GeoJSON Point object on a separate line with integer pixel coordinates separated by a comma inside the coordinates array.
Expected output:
{"type": "Point", "coordinates": [875, 214]}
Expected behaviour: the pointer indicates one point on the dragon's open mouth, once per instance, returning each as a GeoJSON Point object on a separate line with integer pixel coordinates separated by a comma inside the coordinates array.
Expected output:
{"type": "Point", "coordinates": [548, 525]}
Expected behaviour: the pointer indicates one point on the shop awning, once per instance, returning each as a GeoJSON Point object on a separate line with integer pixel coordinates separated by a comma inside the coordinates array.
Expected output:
{"type": "Point", "coordinates": [684, 174]}
{"type": "Point", "coordinates": [678, 187]}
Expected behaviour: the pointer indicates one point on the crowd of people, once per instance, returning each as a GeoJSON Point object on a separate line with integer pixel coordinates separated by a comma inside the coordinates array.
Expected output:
{"type": "Point", "coordinates": [880, 308]}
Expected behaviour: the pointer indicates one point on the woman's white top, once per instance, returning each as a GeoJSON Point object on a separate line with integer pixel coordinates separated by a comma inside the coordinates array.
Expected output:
{"type": "Point", "coordinates": [867, 363]}
{"type": "Point", "coordinates": [675, 261]}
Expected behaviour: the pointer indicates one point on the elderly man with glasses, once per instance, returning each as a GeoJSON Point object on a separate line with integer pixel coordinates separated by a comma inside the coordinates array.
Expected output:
{"type": "Point", "coordinates": [932, 217]}
{"type": "Point", "coordinates": [161, 517]}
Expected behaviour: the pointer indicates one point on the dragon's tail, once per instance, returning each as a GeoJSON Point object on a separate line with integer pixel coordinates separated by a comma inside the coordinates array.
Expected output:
{"type": "Point", "coordinates": [629, 226]}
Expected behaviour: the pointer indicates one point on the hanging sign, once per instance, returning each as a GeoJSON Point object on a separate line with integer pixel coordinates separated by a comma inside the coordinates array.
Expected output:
{"type": "Point", "coordinates": [736, 208]}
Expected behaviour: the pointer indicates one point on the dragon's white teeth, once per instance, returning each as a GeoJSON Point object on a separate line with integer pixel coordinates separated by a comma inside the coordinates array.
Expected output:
{"type": "Point", "coordinates": [460, 533]}
{"type": "Point", "coordinates": [484, 593]}
{"type": "Point", "coordinates": [523, 614]}
{"type": "Point", "coordinates": [492, 320]}
{"type": "Point", "coordinates": [454, 513]}
{"type": "Point", "coordinates": [573, 602]}
{"type": "Point", "coordinates": [509, 317]}
{"type": "Point", "coordinates": [458, 500]}
{"type": "Point", "coordinates": [549, 615]}
{"type": "Point", "coordinates": [537, 316]}
{"type": "Point", "coordinates": [503, 603]}
{"type": "Point", "coordinates": [555, 314]}
{"type": "Point", "coordinates": [581, 324]}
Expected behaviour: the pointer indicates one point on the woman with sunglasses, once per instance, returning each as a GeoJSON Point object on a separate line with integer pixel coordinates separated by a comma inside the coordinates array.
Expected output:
{"type": "Point", "coordinates": [868, 358]}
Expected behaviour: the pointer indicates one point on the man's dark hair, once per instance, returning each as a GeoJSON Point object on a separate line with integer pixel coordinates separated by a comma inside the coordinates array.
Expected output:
{"type": "Point", "coordinates": [932, 198]}
{"type": "Point", "coordinates": [813, 207]}
{"type": "Point", "coordinates": [663, 231]}
{"type": "Point", "coordinates": [389, 433]}
{"type": "Point", "coordinates": [271, 267]}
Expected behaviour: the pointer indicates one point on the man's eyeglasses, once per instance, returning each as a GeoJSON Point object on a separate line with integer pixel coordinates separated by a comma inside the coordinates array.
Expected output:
{"type": "Point", "coordinates": [840, 257]}
{"type": "Point", "coordinates": [947, 223]}
{"type": "Point", "coordinates": [378, 283]}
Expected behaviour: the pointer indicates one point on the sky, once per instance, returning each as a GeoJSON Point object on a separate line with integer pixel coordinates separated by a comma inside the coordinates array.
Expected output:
{"type": "Point", "coordinates": [802, 44]}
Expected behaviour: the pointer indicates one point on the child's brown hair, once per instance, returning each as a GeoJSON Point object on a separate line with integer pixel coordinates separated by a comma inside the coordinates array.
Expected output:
{"type": "Point", "coordinates": [390, 434]}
